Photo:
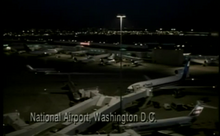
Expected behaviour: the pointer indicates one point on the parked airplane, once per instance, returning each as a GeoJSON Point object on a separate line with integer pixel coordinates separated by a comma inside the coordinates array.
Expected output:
{"type": "Point", "coordinates": [96, 57]}
{"type": "Point", "coordinates": [181, 74]}
{"type": "Point", "coordinates": [204, 60]}
{"type": "Point", "coordinates": [18, 47]}
{"type": "Point", "coordinates": [44, 52]}
{"type": "Point", "coordinates": [89, 58]}
{"type": "Point", "coordinates": [42, 70]}
{"type": "Point", "coordinates": [107, 60]}
{"type": "Point", "coordinates": [170, 122]}
{"type": "Point", "coordinates": [136, 61]}
{"type": "Point", "coordinates": [78, 53]}
{"type": "Point", "coordinates": [52, 71]}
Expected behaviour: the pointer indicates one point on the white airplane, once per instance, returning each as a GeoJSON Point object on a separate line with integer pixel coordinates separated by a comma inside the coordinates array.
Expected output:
{"type": "Point", "coordinates": [108, 60]}
{"type": "Point", "coordinates": [205, 60]}
{"type": "Point", "coordinates": [134, 60]}
{"type": "Point", "coordinates": [181, 74]}
{"type": "Point", "coordinates": [42, 70]}
{"type": "Point", "coordinates": [89, 58]}
{"type": "Point", "coordinates": [78, 53]}
{"type": "Point", "coordinates": [44, 52]}
{"type": "Point", "coordinates": [162, 124]}
{"type": "Point", "coordinates": [186, 54]}
{"type": "Point", "coordinates": [19, 48]}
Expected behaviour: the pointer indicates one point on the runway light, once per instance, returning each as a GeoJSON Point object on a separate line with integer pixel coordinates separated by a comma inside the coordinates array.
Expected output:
{"type": "Point", "coordinates": [45, 89]}
{"type": "Point", "coordinates": [192, 79]}
{"type": "Point", "coordinates": [213, 87]}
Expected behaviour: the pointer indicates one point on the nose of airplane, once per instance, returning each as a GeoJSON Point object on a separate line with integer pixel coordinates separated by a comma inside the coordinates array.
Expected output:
{"type": "Point", "coordinates": [130, 87]}
{"type": "Point", "coordinates": [77, 98]}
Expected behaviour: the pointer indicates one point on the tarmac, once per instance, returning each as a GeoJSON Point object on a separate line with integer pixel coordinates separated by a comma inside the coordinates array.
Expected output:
{"type": "Point", "coordinates": [27, 92]}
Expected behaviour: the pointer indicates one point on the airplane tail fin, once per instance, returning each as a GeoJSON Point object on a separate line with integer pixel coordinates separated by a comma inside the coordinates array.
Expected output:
{"type": "Point", "coordinates": [186, 69]}
{"type": "Point", "coordinates": [197, 110]}
{"type": "Point", "coordinates": [30, 68]}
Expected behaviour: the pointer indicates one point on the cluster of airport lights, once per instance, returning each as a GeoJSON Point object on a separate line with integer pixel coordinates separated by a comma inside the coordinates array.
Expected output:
{"type": "Point", "coordinates": [179, 47]}
{"type": "Point", "coordinates": [100, 33]}
{"type": "Point", "coordinates": [118, 16]}
{"type": "Point", "coordinates": [140, 44]}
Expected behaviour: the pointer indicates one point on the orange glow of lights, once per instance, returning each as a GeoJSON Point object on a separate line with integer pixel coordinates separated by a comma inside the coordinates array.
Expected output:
{"type": "Point", "coordinates": [85, 43]}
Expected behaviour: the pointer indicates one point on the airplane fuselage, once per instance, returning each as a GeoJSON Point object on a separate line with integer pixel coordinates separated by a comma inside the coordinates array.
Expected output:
{"type": "Point", "coordinates": [90, 58]}
{"type": "Point", "coordinates": [204, 60]}
{"type": "Point", "coordinates": [160, 124]}
{"type": "Point", "coordinates": [45, 70]}
{"type": "Point", "coordinates": [155, 82]}
{"type": "Point", "coordinates": [44, 52]}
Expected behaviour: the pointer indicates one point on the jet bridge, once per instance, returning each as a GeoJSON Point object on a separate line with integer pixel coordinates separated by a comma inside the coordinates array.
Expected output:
{"type": "Point", "coordinates": [108, 104]}
{"type": "Point", "coordinates": [97, 104]}
{"type": "Point", "coordinates": [128, 132]}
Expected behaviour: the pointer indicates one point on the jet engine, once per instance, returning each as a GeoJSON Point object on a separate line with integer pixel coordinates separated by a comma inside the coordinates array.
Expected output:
{"type": "Point", "coordinates": [178, 71]}
{"type": "Point", "coordinates": [205, 62]}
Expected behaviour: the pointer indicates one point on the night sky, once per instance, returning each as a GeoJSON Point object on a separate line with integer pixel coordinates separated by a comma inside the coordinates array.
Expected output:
{"type": "Point", "coordinates": [150, 14]}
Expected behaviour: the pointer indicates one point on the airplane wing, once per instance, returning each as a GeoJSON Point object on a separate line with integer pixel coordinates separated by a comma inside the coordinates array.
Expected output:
{"type": "Point", "coordinates": [182, 87]}
{"type": "Point", "coordinates": [77, 73]}
{"type": "Point", "coordinates": [130, 57]}
{"type": "Point", "coordinates": [45, 69]}
{"type": "Point", "coordinates": [88, 60]}
{"type": "Point", "coordinates": [169, 133]}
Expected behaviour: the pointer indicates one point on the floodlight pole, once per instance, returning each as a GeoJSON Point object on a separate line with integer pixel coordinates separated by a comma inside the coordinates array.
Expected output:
{"type": "Point", "coordinates": [121, 101]}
